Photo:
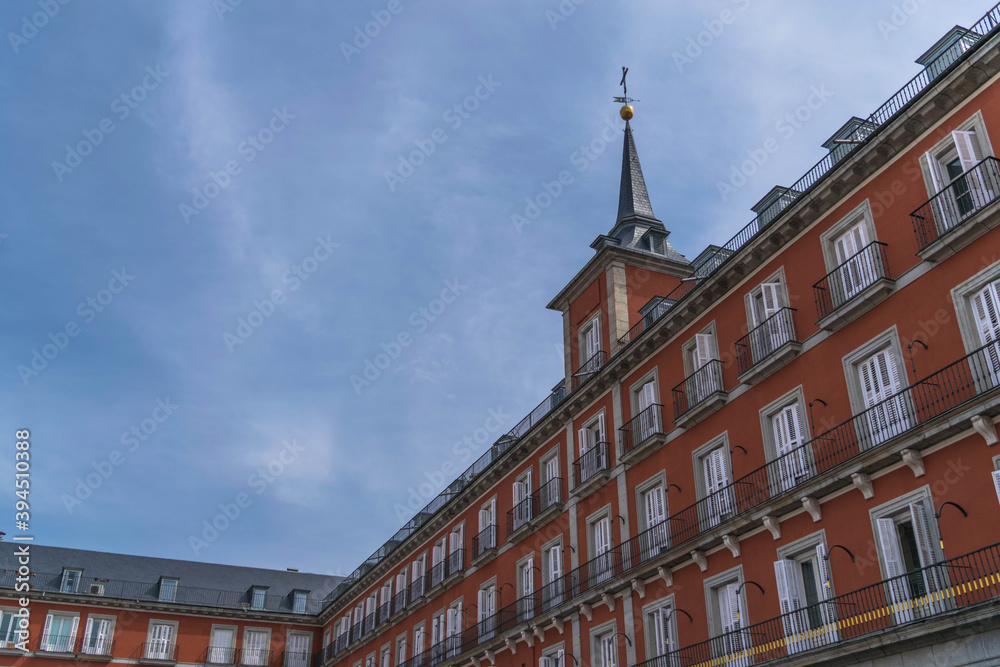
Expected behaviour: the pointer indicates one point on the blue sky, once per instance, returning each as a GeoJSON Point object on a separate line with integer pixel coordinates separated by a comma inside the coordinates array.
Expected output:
{"type": "Point", "coordinates": [202, 245]}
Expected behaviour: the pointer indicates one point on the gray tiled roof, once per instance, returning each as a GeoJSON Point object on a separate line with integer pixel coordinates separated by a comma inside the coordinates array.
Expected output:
{"type": "Point", "coordinates": [633, 199]}
{"type": "Point", "coordinates": [96, 565]}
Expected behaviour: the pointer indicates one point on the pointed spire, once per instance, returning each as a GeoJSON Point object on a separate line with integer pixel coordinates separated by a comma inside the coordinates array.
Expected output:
{"type": "Point", "coordinates": [633, 199]}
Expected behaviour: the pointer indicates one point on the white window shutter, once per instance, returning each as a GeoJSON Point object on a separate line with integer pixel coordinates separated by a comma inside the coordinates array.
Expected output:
{"type": "Point", "coordinates": [968, 149]}
{"type": "Point", "coordinates": [482, 520]}
{"type": "Point", "coordinates": [655, 511]}
{"type": "Point", "coordinates": [555, 563]}
{"type": "Point", "coordinates": [602, 428]}
{"type": "Point", "coordinates": [481, 604]}
{"type": "Point", "coordinates": [608, 651]}
{"type": "Point", "coordinates": [986, 310]}
{"type": "Point", "coordinates": [771, 294]}
{"type": "Point", "coordinates": [996, 482]}
{"type": "Point", "coordinates": [890, 548]}
{"type": "Point", "coordinates": [583, 435]}
{"type": "Point", "coordinates": [518, 493]}
{"type": "Point", "coordinates": [922, 533]}
{"type": "Point", "coordinates": [703, 349]}
{"type": "Point", "coordinates": [938, 182]}
{"type": "Point", "coordinates": [73, 628]}
{"type": "Point", "coordinates": [647, 395]}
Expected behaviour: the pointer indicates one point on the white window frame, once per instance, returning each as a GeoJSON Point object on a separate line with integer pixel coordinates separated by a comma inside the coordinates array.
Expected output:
{"type": "Point", "coordinates": [256, 591]}
{"type": "Point", "coordinates": [790, 584]}
{"type": "Point", "coordinates": [895, 416]}
{"type": "Point", "coordinates": [260, 655]}
{"type": "Point", "coordinates": [168, 585]}
{"type": "Point", "coordinates": [592, 324]}
{"type": "Point", "coordinates": [168, 648]}
{"type": "Point", "coordinates": [723, 506]}
{"type": "Point", "coordinates": [70, 574]}
{"type": "Point", "coordinates": [796, 467]}
{"type": "Point", "coordinates": [59, 646]}
{"type": "Point", "coordinates": [221, 655]}
{"type": "Point", "coordinates": [290, 660]}
{"type": "Point", "coordinates": [659, 643]}
{"type": "Point", "coordinates": [659, 539]}
{"type": "Point", "coordinates": [8, 616]}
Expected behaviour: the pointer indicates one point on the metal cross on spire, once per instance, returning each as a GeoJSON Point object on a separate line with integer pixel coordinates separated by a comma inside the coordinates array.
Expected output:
{"type": "Point", "coordinates": [624, 99]}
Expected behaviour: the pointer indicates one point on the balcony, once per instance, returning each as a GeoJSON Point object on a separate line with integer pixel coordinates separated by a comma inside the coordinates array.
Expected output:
{"type": "Point", "coordinates": [767, 347]}
{"type": "Point", "coordinates": [950, 220]}
{"type": "Point", "coordinates": [956, 584]}
{"type": "Point", "coordinates": [416, 590]}
{"type": "Point", "coordinates": [58, 644]}
{"type": "Point", "coordinates": [589, 369]}
{"type": "Point", "coordinates": [219, 655]}
{"type": "Point", "coordinates": [592, 469]}
{"type": "Point", "coordinates": [699, 395]}
{"type": "Point", "coordinates": [254, 657]}
{"type": "Point", "coordinates": [642, 434]}
{"type": "Point", "coordinates": [156, 652]}
{"type": "Point", "coordinates": [456, 565]}
{"type": "Point", "coordinates": [484, 545]}
{"type": "Point", "coordinates": [853, 288]}
{"type": "Point", "coordinates": [384, 612]}
{"type": "Point", "coordinates": [535, 510]}
{"type": "Point", "coordinates": [399, 601]}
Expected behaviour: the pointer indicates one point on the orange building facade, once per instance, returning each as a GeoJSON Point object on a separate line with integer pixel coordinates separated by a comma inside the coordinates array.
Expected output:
{"type": "Point", "coordinates": [782, 451]}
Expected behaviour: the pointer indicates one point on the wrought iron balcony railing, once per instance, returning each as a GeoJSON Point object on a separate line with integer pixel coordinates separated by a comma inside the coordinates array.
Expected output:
{"type": "Point", "coordinates": [485, 540]}
{"type": "Point", "coordinates": [521, 514]}
{"type": "Point", "coordinates": [697, 387]}
{"type": "Point", "coordinates": [957, 203]}
{"type": "Point", "coordinates": [640, 428]}
{"type": "Point", "coordinates": [255, 657]}
{"type": "Point", "coordinates": [589, 368]}
{"type": "Point", "coordinates": [416, 589]}
{"type": "Point", "coordinates": [849, 280]}
{"type": "Point", "coordinates": [550, 494]}
{"type": "Point", "coordinates": [594, 460]}
{"type": "Point", "coordinates": [456, 561]}
{"type": "Point", "coordinates": [765, 339]}
{"type": "Point", "coordinates": [954, 584]}
{"type": "Point", "coordinates": [163, 651]}
{"type": "Point", "coordinates": [219, 655]}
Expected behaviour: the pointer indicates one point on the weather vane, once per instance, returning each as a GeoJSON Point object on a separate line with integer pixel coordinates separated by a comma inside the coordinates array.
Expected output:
{"type": "Point", "coordinates": [626, 112]}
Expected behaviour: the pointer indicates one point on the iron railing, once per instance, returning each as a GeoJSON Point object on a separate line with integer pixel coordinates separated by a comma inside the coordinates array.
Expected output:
{"type": "Point", "coordinates": [255, 657]}
{"type": "Point", "coordinates": [953, 584]}
{"type": "Point", "coordinates": [521, 514]}
{"type": "Point", "coordinates": [640, 428]}
{"type": "Point", "coordinates": [955, 204]}
{"type": "Point", "coordinates": [456, 561]}
{"type": "Point", "coordinates": [97, 647]}
{"type": "Point", "coordinates": [156, 650]}
{"type": "Point", "coordinates": [438, 572]}
{"type": "Point", "coordinates": [219, 655]}
{"type": "Point", "coordinates": [485, 540]}
{"type": "Point", "coordinates": [416, 590]}
{"type": "Point", "coordinates": [698, 387]}
{"type": "Point", "coordinates": [295, 658]}
{"type": "Point", "coordinates": [384, 612]}
{"type": "Point", "coordinates": [849, 280]}
{"type": "Point", "coordinates": [594, 460]}
{"type": "Point", "coordinates": [765, 339]}
{"type": "Point", "coordinates": [589, 368]}
{"type": "Point", "coordinates": [399, 600]}
{"type": "Point", "coordinates": [56, 643]}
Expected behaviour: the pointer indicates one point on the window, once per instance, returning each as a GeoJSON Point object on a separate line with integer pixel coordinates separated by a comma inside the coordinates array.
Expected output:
{"type": "Point", "coordinates": [437, 561]}
{"type": "Point", "coordinates": [401, 650]}
{"type": "Point", "coordinates": [712, 474]}
{"type": "Point", "coordinates": [222, 645]}
{"type": "Point", "coordinates": [553, 657]}
{"type": "Point", "coordinates": [647, 420]}
{"type": "Point", "coordinates": [59, 634]}
{"type": "Point", "coordinates": [256, 647]}
{"type": "Point", "coordinates": [726, 607]}
{"type": "Point", "coordinates": [602, 563]}
{"type": "Point", "coordinates": [653, 501]}
{"type": "Point", "coordinates": [553, 568]}
{"type": "Point", "coordinates": [805, 594]}
{"type": "Point", "coordinates": [881, 381]}
{"type": "Point", "coordinates": [8, 628]}
{"type": "Point", "coordinates": [297, 649]}
{"type": "Point", "coordinates": [703, 377]}
{"type": "Point", "coordinates": [953, 165]}
{"type": "Point", "coordinates": [160, 641]}
{"type": "Point", "coordinates": [487, 527]}
{"type": "Point", "coordinates": [660, 630]}
{"type": "Point", "coordinates": [70, 581]}
{"type": "Point", "coordinates": [417, 582]}
{"type": "Point", "coordinates": [258, 597]}
{"type": "Point", "coordinates": [168, 589]}
{"type": "Point", "coordinates": [853, 263]}
{"type": "Point", "coordinates": [385, 657]}
{"type": "Point", "coordinates": [550, 491]}
{"type": "Point", "coordinates": [977, 304]}
{"type": "Point", "coordinates": [593, 448]}
{"type": "Point", "coordinates": [908, 540]}
{"type": "Point", "coordinates": [299, 600]}
{"type": "Point", "coordinates": [768, 329]}
{"type": "Point", "coordinates": [785, 436]}
{"type": "Point", "coordinates": [526, 589]}
{"type": "Point", "coordinates": [522, 502]}
{"type": "Point", "coordinates": [486, 606]}
{"type": "Point", "coordinates": [456, 549]}
{"type": "Point", "coordinates": [590, 347]}
{"type": "Point", "coordinates": [453, 634]}
{"type": "Point", "coordinates": [437, 637]}
{"type": "Point", "coordinates": [97, 636]}
{"type": "Point", "coordinates": [606, 649]}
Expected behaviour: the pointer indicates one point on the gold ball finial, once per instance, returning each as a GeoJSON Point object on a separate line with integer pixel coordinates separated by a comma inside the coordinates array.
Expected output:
{"type": "Point", "coordinates": [627, 112]}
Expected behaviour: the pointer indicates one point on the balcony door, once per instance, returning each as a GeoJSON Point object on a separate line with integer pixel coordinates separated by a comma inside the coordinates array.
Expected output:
{"type": "Point", "coordinates": [657, 537]}
{"type": "Point", "coordinates": [221, 646]}
{"type": "Point", "coordinates": [856, 271]}
{"type": "Point", "coordinates": [768, 333]}
{"type": "Point", "coordinates": [648, 422]}
{"type": "Point", "coordinates": [793, 459]}
{"type": "Point", "coordinates": [603, 557]}
{"type": "Point", "coordinates": [887, 414]}
{"type": "Point", "coordinates": [986, 310]}
{"type": "Point", "coordinates": [718, 502]}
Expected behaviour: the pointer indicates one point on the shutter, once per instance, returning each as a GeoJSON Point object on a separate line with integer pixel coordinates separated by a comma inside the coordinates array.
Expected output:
{"type": "Point", "coordinates": [602, 432]}
{"type": "Point", "coordinates": [46, 632]}
{"type": "Point", "coordinates": [555, 555]}
{"type": "Point", "coordinates": [898, 588]}
{"type": "Point", "coordinates": [647, 395]}
{"type": "Point", "coordinates": [987, 315]}
{"type": "Point", "coordinates": [996, 482]}
{"type": "Point", "coordinates": [934, 577]}
{"type": "Point", "coordinates": [770, 294]}
{"type": "Point", "coordinates": [481, 604]}
{"type": "Point", "coordinates": [583, 435]}
{"type": "Point", "coordinates": [608, 645]}
{"type": "Point", "coordinates": [968, 149]}
{"type": "Point", "coordinates": [934, 169]}
{"type": "Point", "coordinates": [103, 636]}
{"type": "Point", "coordinates": [727, 616]}
{"type": "Point", "coordinates": [551, 469]}
{"type": "Point", "coordinates": [518, 493]}
{"type": "Point", "coordinates": [826, 587]}
{"type": "Point", "coordinates": [89, 637]}
{"type": "Point", "coordinates": [560, 658]}
{"type": "Point", "coordinates": [437, 554]}
{"type": "Point", "coordinates": [786, 578]}
{"type": "Point", "coordinates": [72, 632]}
{"type": "Point", "coordinates": [602, 536]}
{"type": "Point", "coordinates": [454, 541]}
{"type": "Point", "coordinates": [702, 350]}
{"type": "Point", "coordinates": [483, 520]}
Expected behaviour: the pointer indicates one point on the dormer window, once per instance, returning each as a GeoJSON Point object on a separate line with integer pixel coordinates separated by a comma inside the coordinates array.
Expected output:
{"type": "Point", "coordinates": [299, 599]}
{"type": "Point", "coordinates": [168, 589]}
{"type": "Point", "coordinates": [70, 581]}
{"type": "Point", "coordinates": [258, 596]}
